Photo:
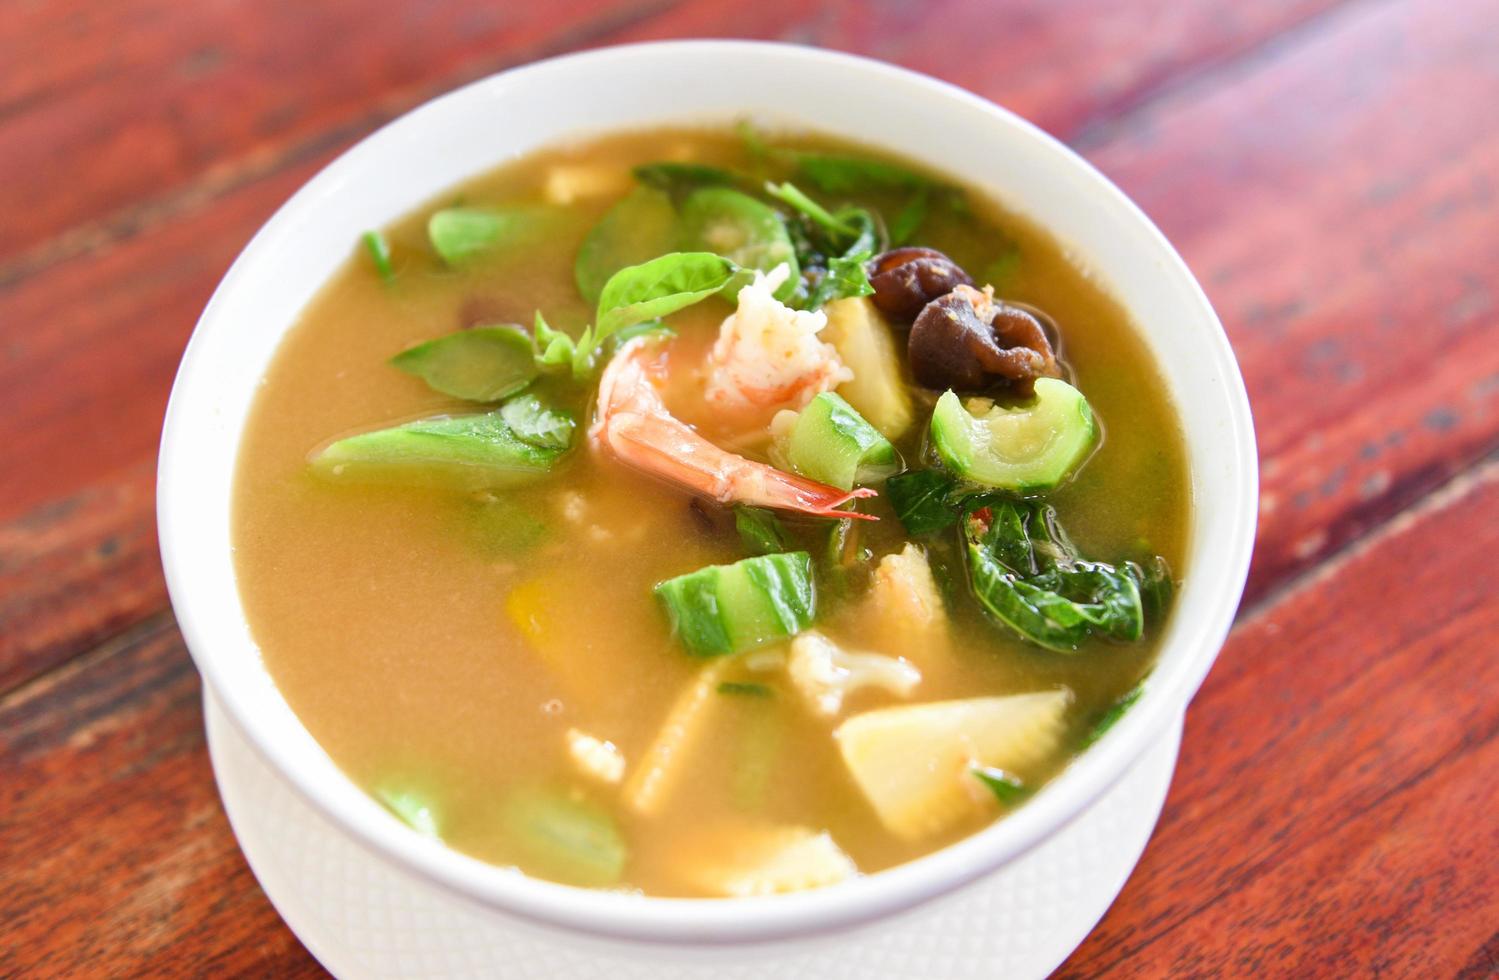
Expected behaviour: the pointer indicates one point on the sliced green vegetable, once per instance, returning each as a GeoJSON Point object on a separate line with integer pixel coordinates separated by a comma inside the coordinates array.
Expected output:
{"type": "Point", "coordinates": [831, 443]}
{"type": "Point", "coordinates": [1027, 575]}
{"type": "Point", "coordinates": [1007, 788]}
{"type": "Point", "coordinates": [411, 807]}
{"type": "Point", "coordinates": [761, 531]}
{"type": "Point", "coordinates": [640, 227]}
{"type": "Point", "coordinates": [379, 252]}
{"type": "Point", "coordinates": [745, 688]}
{"type": "Point", "coordinates": [925, 501]}
{"type": "Point", "coordinates": [468, 452]}
{"type": "Point", "coordinates": [659, 288]}
{"type": "Point", "coordinates": [535, 422]}
{"type": "Point", "coordinates": [484, 364]}
{"type": "Point", "coordinates": [1111, 716]}
{"type": "Point", "coordinates": [566, 839]}
{"type": "Point", "coordinates": [748, 232]}
{"type": "Point", "coordinates": [1025, 449]}
{"type": "Point", "coordinates": [458, 234]}
{"type": "Point", "coordinates": [728, 608]}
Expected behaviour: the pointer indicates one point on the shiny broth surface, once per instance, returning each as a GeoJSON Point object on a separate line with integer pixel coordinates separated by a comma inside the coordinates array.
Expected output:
{"type": "Point", "coordinates": [440, 645]}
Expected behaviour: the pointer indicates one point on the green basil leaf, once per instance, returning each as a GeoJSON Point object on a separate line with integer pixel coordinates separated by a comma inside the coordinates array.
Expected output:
{"type": "Point", "coordinates": [484, 364]}
{"type": "Point", "coordinates": [792, 196]}
{"type": "Point", "coordinates": [680, 179]}
{"type": "Point", "coordinates": [1111, 716]}
{"type": "Point", "coordinates": [554, 350]}
{"type": "Point", "coordinates": [458, 234]}
{"type": "Point", "coordinates": [923, 500]}
{"type": "Point", "coordinates": [911, 216]}
{"type": "Point", "coordinates": [533, 421]}
{"type": "Point", "coordinates": [641, 226]}
{"type": "Point", "coordinates": [659, 288]}
{"type": "Point", "coordinates": [846, 276]}
{"type": "Point", "coordinates": [834, 173]}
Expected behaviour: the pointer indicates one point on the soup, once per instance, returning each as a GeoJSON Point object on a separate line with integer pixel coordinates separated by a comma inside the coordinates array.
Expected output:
{"type": "Point", "coordinates": [698, 513]}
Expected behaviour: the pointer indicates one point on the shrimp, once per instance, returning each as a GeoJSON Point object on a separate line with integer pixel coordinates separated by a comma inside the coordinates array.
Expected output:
{"type": "Point", "coordinates": [768, 356]}
{"type": "Point", "coordinates": [632, 422]}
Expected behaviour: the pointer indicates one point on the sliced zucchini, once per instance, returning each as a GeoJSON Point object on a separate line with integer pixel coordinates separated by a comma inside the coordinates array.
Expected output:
{"type": "Point", "coordinates": [738, 227]}
{"type": "Point", "coordinates": [914, 762]}
{"type": "Point", "coordinates": [831, 443]}
{"type": "Point", "coordinates": [866, 345]}
{"type": "Point", "coordinates": [728, 608]}
{"type": "Point", "coordinates": [1027, 448]}
{"type": "Point", "coordinates": [468, 452]}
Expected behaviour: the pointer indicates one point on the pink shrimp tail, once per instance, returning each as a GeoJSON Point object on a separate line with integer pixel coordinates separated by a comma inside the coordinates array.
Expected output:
{"type": "Point", "coordinates": [633, 424]}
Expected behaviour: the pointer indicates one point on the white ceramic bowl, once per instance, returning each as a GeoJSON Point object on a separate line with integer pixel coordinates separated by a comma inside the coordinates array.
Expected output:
{"type": "Point", "coordinates": [503, 117]}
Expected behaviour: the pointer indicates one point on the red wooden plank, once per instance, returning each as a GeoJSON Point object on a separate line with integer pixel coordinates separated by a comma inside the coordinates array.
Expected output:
{"type": "Point", "coordinates": [115, 113]}
{"type": "Point", "coordinates": [83, 382]}
{"type": "Point", "coordinates": [1303, 822]}
{"type": "Point", "coordinates": [1328, 762]}
{"type": "Point", "coordinates": [1339, 209]}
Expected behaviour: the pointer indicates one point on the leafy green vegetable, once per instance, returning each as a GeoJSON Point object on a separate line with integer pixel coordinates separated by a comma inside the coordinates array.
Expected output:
{"type": "Point", "coordinates": [1156, 585]}
{"type": "Point", "coordinates": [534, 422]}
{"type": "Point", "coordinates": [468, 452]}
{"type": "Point", "coordinates": [567, 839]}
{"type": "Point", "coordinates": [680, 179]}
{"type": "Point", "coordinates": [911, 216]}
{"type": "Point", "coordinates": [484, 364]}
{"type": "Point", "coordinates": [1111, 716]}
{"type": "Point", "coordinates": [846, 276]}
{"type": "Point", "coordinates": [1007, 788]}
{"type": "Point", "coordinates": [926, 501]}
{"type": "Point", "coordinates": [834, 173]}
{"type": "Point", "coordinates": [659, 288]}
{"type": "Point", "coordinates": [727, 608]}
{"type": "Point", "coordinates": [379, 252]}
{"type": "Point", "coordinates": [1003, 267]}
{"type": "Point", "coordinates": [1026, 574]}
{"type": "Point", "coordinates": [761, 531]}
{"type": "Point", "coordinates": [746, 688]}
{"type": "Point", "coordinates": [641, 226]}
{"type": "Point", "coordinates": [554, 350]}
{"type": "Point", "coordinates": [742, 229]}
{"type": "Point", "coordinates": [458, 234]}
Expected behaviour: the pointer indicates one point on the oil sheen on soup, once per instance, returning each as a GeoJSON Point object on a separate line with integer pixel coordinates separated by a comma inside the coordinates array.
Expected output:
{"type": "Point", "coordinates": [709, 513]}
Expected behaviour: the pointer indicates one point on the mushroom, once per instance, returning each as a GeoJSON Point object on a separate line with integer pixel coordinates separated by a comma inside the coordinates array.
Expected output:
{"type": "Point", "coordinates": [967, 342]}
{"type": "Point", "coordinates": [906, 279]}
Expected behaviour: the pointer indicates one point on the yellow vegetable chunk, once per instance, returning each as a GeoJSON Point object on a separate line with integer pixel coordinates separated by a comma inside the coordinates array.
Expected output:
{"type": "Point", "coordinates": [913, 761]}
{"type": "Point", "coordinates": [866, 345]}
{"type": "Point", "coordinates": [659, 768]}
{"type": "Point", "coordinates": [739, 860]}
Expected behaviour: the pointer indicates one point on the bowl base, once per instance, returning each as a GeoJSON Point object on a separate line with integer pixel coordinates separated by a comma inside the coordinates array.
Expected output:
{"type": "Point", "coordinates": [365, 918]}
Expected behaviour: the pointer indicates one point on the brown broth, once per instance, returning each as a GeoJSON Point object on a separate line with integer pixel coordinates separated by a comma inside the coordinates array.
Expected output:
{"type": "Point", "coordinates": [388, 615]}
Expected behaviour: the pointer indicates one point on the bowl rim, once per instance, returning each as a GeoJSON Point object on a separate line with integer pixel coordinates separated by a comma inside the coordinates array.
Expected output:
{"type": "Point", "coordinates": [716, 921]}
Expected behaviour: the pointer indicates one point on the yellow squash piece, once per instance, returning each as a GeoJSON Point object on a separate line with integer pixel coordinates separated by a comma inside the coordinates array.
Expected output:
{"type": "Point", "coordinates": [913, 762]}
{"type": "Point", "coordinates": [738, 860]}
{"type": "Point", "coordinates": [866, 345]}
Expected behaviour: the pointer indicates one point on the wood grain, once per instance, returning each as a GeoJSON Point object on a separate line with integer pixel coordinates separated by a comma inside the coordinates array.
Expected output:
{"type": "Point", "coordinates": [1336, 779]}
{"type": "Point", "coordinates": [1327, 168]}
{"type": "Point", "coordinates": [89, 339]}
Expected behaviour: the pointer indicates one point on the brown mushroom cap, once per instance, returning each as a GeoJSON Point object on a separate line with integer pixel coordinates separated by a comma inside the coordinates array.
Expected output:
{"type": "Point", "coordinates": [906, 279]}
{"type": "Point", "coordinates": [967, 342]}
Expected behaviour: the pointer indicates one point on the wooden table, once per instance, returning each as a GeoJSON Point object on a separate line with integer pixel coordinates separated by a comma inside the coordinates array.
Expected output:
{"type": "Point", "coordinates": [1330, 170]}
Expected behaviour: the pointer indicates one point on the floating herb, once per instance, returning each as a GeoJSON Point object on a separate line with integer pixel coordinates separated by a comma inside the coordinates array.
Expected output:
{"type": "Point", "coordinates": [484, 364]}
{"type": "Point", "coordinates": [761, 531]}
{"type": "Point", "coordinates": [536, 423]}
{"type": "Point", "coordinates": [746, 689]}
{"type": "Point", "coordinates": [379, 253]}
{"type": "Point", "coordinates": [1007, 789]}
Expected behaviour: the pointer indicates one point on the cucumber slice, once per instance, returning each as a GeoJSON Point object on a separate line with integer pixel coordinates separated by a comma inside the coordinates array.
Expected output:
{"type": "Point", "coordinates": [568, 839]}
{"type": "Point", "coordinates": [831, 443]}
{"type": "Point", "coordinates": [469, 452]}
{"type": "Point", "coordinates": [742, 229]}
{"type": "Point", "coordinates": [1025, 449]}
{"type": "Point", "coordinates": [728, 608]}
